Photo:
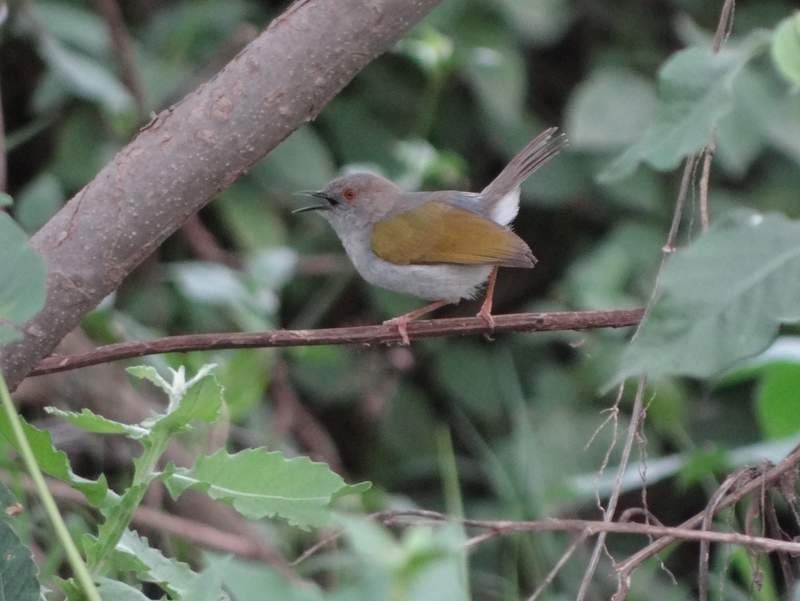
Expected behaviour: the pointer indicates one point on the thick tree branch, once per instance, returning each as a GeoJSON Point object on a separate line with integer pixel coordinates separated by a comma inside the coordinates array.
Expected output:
{"type": "Point", "coordinates": [193, 150]}
{"type": "Point", "coordinates": [379, 334]}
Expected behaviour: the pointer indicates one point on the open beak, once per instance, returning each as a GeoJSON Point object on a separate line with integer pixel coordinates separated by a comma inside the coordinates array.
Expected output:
{"type": "Point", "coordinates": [319, 207]}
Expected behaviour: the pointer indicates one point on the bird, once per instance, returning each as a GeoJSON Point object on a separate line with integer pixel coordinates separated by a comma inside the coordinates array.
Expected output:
{"type": "Point", "coordinates": [441, 246]}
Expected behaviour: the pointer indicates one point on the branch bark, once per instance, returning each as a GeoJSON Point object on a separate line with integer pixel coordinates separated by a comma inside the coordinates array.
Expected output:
{"type": "Point", "coordinates": [379, 334]}
{"type": "Point", "coordinates": [195, 149]}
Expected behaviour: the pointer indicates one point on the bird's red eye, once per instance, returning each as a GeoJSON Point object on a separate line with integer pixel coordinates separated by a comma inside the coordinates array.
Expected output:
{"type": "Point", "coordinates": [349, 194]}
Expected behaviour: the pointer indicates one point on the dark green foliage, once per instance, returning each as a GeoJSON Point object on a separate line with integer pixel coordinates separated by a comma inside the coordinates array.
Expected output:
{"type": "Point", "coordinates": [637, 89]}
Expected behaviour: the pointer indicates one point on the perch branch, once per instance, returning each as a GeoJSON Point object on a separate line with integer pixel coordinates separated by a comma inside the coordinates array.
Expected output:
{"type": "Point", "coordinates": [190, 152]}
{"type": "Point", "coordinates": [582, 527]}
{"type": "Point", "coordinates": [378, 334]}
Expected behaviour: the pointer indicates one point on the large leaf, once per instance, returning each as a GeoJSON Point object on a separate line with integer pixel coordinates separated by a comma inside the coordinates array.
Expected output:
{"type": "Point", "coordinates": [541, 21]}
{"type": "Point", "coordinates": [722, 299]}
{"type": "Point", "coordinates": [54, 462]}
{"type": "Point", "coordinates": [786, 48]}
{"type": "Point", "coordinates": [252, 581]}
{"type": "Point", "coordinates": [778, 402]}
{"type": "Point", "coordinates": [22, 274]}
{"type": "Point", "coordinates": [695, 92]}
{"type": "Point", "coordinates": [18, 572]}
{"type": "Point", "coordinates": [258, 484]}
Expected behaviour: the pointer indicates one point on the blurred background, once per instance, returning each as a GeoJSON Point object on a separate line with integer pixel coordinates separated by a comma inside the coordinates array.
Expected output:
{"type": "Point", "coordinates": [493, 429]}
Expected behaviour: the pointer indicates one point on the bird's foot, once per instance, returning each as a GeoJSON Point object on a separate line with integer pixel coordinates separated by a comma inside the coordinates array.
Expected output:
{"type": "Point", "coordinates": [402, 327]}
{"type": "Point", "coordinates": [486, 315]}
{"type": "Point", "coordinates": [402, 321]}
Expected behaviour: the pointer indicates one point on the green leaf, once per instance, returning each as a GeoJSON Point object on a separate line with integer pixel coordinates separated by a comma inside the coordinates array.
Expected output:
{"type": "Point", "coordinates": [114, 590]}
{"type": "Point", "coordinates": [786, 48]}
{"type": "Point", "coordinates": [741, 135]}
{"type": "Point", "coordinates": [6, 200]}
{"type": "Point", "coordinates": [7, 500]}
{"type": "Point", "coordinates": [38, 201]}
{"type": "Point", "coordinates": [251, 581]}
{"type": "Point", "coordinates": [145, 372]}
{"type": "Point", "coordinates": [22, 280]}
{"type": "Point", "coordinates": [258, 484]}
{"type": "Point", "coordinates": [279, 170]}
{"type": "Point", "coordinates": [84, 76]}
{"type": "Point", "coordinates": [777, 401]}
{"type": "Point", "coordinates": [18, 572]}
{"type": "Point", "coordinates": [722, 299]}
{"type": "Point", "coordinates": [200, 401]}
{"type": "Point", "coordinates": [695, 92]}
{"type": "Point", "coordinates": [208, 587]}
{"type": "Point", "coordinates": [75, 26]}
{"type": "Point", "coordinates": [175, 577]}
{"type": "Point", "coordinates": [493, 65]}
{"type": "Point", "coordinates": [609, 110]}
{"type": "Point", "coordinates": [91, 422]}
{"type": "Point", "coordinates": [542, 21]}
{"type": "Point", "coordinates": [54, 462]}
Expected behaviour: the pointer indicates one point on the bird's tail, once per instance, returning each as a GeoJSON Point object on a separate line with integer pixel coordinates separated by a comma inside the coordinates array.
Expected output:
{"type": "Point", "coordinates": [537, 152]}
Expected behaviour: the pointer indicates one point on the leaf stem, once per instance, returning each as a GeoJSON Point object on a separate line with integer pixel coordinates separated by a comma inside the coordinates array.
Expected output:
{"type": "Point", "coordinates": [143, 474]}
{"type": "Point", "coordinates": [73, 556]}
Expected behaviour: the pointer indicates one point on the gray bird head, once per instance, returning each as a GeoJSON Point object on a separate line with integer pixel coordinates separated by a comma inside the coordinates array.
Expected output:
{"type": "Point", "coordinates": [357, 200]}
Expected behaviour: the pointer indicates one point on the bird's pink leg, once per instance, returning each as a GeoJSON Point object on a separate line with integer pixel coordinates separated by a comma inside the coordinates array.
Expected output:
{"type": "Point", "coordinates": [486, 308]}
{"type": "Point", "coordinates": [402, 321]}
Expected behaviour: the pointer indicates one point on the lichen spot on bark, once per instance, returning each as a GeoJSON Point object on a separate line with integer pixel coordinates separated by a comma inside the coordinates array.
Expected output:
{"type": "Point", "coordinates": [222, 108]}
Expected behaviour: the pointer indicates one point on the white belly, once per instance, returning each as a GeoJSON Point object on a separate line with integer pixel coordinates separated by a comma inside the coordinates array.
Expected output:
{"type": "Point", "coordinates": [430, 282]}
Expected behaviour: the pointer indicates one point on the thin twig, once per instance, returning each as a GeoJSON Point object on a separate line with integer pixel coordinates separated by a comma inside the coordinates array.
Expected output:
{"type": "Point", "coordinates": [725, 25]}
{"type": "Point", "coordinates": [777, 532]}
{"type": "Point", "coordinates": [774, 474]}
{"type": "Point", "coordinates": [378, 334]}
{"type": "Point", "coordinates": [592, 527]}
{"type": "Point", "coordinates": [579, 540]}
{"type": "Point", "coordinates": [708, 155]}
{"type": "Point", "coordinates": [723, 32]}
{"type": "Point", "coordinates": [584, 528]}
{"type": "Point", "coordinates": [708, 516]}
{"type": "Point", "coordinates": [686, 180]}
{"type": "Point", "coordinates": [611, 508]}
{"type": "Point", "coordinates": [123, 48]}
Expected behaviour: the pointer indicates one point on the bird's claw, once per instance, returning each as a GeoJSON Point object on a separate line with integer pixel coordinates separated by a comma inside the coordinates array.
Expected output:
{"type": "Point", "coordinates": [402, 329]}
{"type": "Point", "coordinates": [487, 317]}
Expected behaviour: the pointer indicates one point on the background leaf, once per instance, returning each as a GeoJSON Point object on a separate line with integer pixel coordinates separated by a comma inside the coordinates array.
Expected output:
{"type": "Point", "coordinates": [22, 273]}
{"type": "Point", "coordinates": [54, 462]}
{"type": "Point", "coordinates": [695, 90]}
{"type": "Point", "coordinates": [722, 299]}
{"type": "Point", "coordinates": [786, 48]}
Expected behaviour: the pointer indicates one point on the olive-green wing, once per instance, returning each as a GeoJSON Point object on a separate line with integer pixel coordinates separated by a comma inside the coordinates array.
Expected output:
{"type": "Point", "coordinates": [437, 232]}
